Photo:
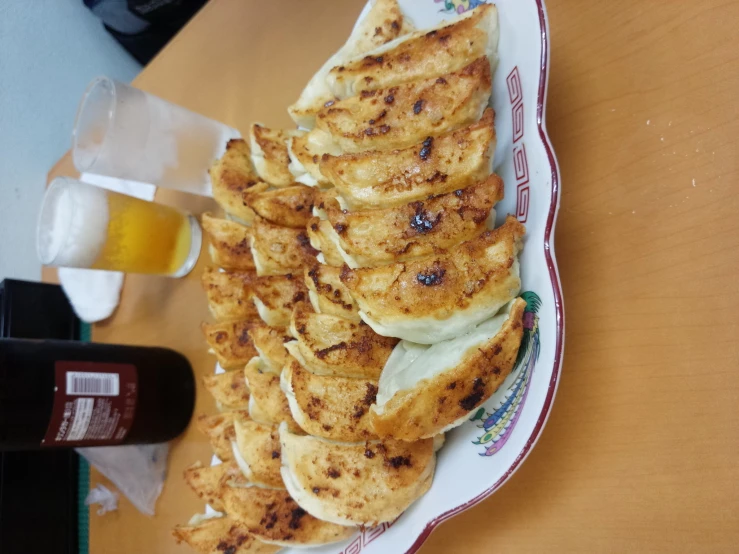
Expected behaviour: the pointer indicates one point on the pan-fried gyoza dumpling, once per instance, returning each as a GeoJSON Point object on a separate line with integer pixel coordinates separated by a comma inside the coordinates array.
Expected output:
{"type": "Point", "coordinates": [274, 517]}
{"type": "Point", "coordinates": [256, 450]}
{"type": "Point", "coordinates": [218, 534]}
{"type": "Point", "coordinates": [229, 294]}
{"type": "Point", "coordinates": [359, 484]}
{"type": "Point", "coordinates": [328, 197]}
{"type": "Point", "coordinates": [269, 154]}
{"type": "Point", "coordinates": [421, 55]}
{"type": "Point", "coordinates": [267, 403]}
{"type": "Point", "coordinates": [305, 153]}
{"type": "Point", "coordinates": [275, 296]}
{"type": "Point", "coordinates": [425, 390]}
{"type": "Point", "coordinates": [404, 115]}
{"type": "Point", "coordinates": [290, 206]}
{"type": "Point", "coordinates": [230, 342]}
{"type": "Point", "coordinates": [330, 345]}
{"type": "Point", "coordinates": [377, 237]}
{"type": "Point", "coordinates": [219, 429]}
{"type": "Point", "coordinates": [206, 482]}
{"type": "Point", "coordinates": [327, 293]}
{"type": "Point", "coordinates": [332, 407]}
{"type": "Point", "coordinates": [270, 345]}
{"type": "Point", "coordinates": [319, 231]}
{"type": "Point", "coordinates": [233, 174]}
{"type": "Point", "coordinates": [383, 23]}
{"type": "Point", "coordinates": [442, 296]}
{"type": "Point", "coordinates": [229, 243]}
{"type": "Point", "coordinates": [229, 389]}
{"type": "Point", "coordinates": [452, 161]}
{"type": "Point", "coordinates": [279, 250]}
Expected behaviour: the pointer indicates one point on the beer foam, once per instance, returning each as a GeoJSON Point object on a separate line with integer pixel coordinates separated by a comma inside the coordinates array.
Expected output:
{"type": "Point", "coordinates": [73, 225]}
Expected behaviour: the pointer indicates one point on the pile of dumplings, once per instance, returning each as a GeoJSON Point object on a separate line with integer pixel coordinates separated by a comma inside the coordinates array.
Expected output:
{"type": "Point", "coordinates": [363, 304]}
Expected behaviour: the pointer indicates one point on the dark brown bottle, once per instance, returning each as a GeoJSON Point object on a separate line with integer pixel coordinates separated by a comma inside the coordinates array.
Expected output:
{"type": "Point", "coordinates": [67, 394]}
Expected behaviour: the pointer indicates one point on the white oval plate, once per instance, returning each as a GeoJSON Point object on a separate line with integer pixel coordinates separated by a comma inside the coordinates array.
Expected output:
{"type": "Point", "coordinates": [483, 453]}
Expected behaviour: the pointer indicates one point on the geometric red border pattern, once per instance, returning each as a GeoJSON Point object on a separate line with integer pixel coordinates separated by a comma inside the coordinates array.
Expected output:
{"type": "Point", "coordinates": [520, 162]}
{"type": "Point", "coordinates": [367, 535]}
{"type": "Point", "coordinates": [515, 93]}
{"type": "Point", "coordinates": [517, 122]}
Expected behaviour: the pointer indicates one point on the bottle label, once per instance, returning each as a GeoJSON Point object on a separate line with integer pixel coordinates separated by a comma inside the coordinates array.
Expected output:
{"type": "Point", "coordinates": [94, 404]}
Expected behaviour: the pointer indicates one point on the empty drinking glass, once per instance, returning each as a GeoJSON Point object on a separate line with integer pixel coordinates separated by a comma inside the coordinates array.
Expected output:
{"type": "Point", "coordinates": [123, 132]}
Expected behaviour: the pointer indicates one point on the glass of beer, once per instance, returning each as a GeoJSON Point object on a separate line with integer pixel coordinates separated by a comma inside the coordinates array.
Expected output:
{"type": "Point", "coordinates": [123, 132]}
{"type": "Point", "coordinates": [81, 225]}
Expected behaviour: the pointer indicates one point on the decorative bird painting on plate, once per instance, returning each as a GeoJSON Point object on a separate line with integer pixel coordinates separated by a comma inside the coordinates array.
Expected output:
{"type": "Point", "coordinates": [497, 420]}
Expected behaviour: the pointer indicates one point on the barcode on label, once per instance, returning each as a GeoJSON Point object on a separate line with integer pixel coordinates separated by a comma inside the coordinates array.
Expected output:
{"type": "Point", "coordinates": [93, 384]}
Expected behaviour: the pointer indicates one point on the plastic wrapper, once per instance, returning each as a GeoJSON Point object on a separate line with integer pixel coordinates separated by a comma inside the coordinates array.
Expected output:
{"type": "Point", "coordinates": [137, 470]}
{"type": "Point", "coordinates": [102, 495]}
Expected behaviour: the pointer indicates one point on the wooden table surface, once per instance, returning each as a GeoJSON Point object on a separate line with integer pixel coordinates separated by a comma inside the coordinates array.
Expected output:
{"type": "Point", "coordinates": [641, 451]}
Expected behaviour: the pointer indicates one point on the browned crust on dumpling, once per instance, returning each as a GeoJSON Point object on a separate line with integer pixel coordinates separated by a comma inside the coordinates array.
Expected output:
{"type": "Point", "coordinates": [268, 404]}
{"type": "Point", "coordinates": [327, 293]}
{"type": "Point", "coordinates": [273, 516]}
{"type": "Point", "coordinates": [270, 344]}
{"type": "Point", "coordinates": [424, 55]}
{"type": "Point", "coordinates": [327, 197]}
{"type": "Point", "coordinates": [422, 228]}
{"type": "Point", "coordinates": [228, 389]}
{"type": "Point", "coordinates": [319, 240]}
{"type": "Point", "coordinates": [332, 407]}
{"type": "Point", "coordinates": [229, 294]}
{"type": "Point", "coordinates": [206, 482]}
{"type": "Point", "coordinates": [230, 342]}
{"type": "Point", "coordinates": [273, 168]}
{"type": "Point", "coordinates": [361, 484]}
{"type": "Point", "coordinates": [442, 284]}
{"type": "Point", "coordinates": [279, 250]}
{"type": "Point", "coordinates": [331, 345]}
{"type": "Point", "coordinates": [229, 246]}
{"type": "Point", "coordinates": [219, 429]}
{"type": "Point", "coordinates": [279, 294]}
{"type": "Point", "coordinates": [436, 403]}
{"type": "Point", "coordinates": [221, 535]}
{"type": "Point", "coordinates": [233, 174]}
{"type": "Point", "coordinates": [307, 149]}
{"type": "Point", "coordinates": [259, 446]}
{"type": "Point", "coordinates": [290, 206]}
{"type": "Point", "coordinates": [384, 22]}
{"type": "Point", "coordinates": [436, 165]}
{"type": "Point", "coordinates": [403, 115]}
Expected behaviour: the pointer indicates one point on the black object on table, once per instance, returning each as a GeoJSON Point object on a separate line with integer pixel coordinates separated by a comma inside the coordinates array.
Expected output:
{"type": "Point", "coordinates": [38, 490]}
{"type": "Point", "coordinates": [144, 27]}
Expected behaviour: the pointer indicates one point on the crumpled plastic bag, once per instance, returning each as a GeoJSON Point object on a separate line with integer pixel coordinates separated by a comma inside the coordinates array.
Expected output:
{"type": "Point", "coordinates": [137, 470]}
{"type": "Point", "coordinates": [102, 495]}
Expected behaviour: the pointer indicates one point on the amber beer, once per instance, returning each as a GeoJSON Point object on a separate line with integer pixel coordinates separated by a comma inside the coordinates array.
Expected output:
{"type": "Point", "coordinates": [144, 237]}
{"type": "Point", "coordinates": [82, 225]}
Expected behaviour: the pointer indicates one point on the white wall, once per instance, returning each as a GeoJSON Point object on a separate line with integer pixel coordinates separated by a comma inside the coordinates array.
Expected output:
{"type": "Point", "coordinates": [49, 51]}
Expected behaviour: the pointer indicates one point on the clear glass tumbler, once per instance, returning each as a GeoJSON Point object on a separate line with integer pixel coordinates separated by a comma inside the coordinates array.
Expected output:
{"type": "Point", "coordinates": [121, 131]}
{"type": "Point", "coordinates": [81, 225]}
